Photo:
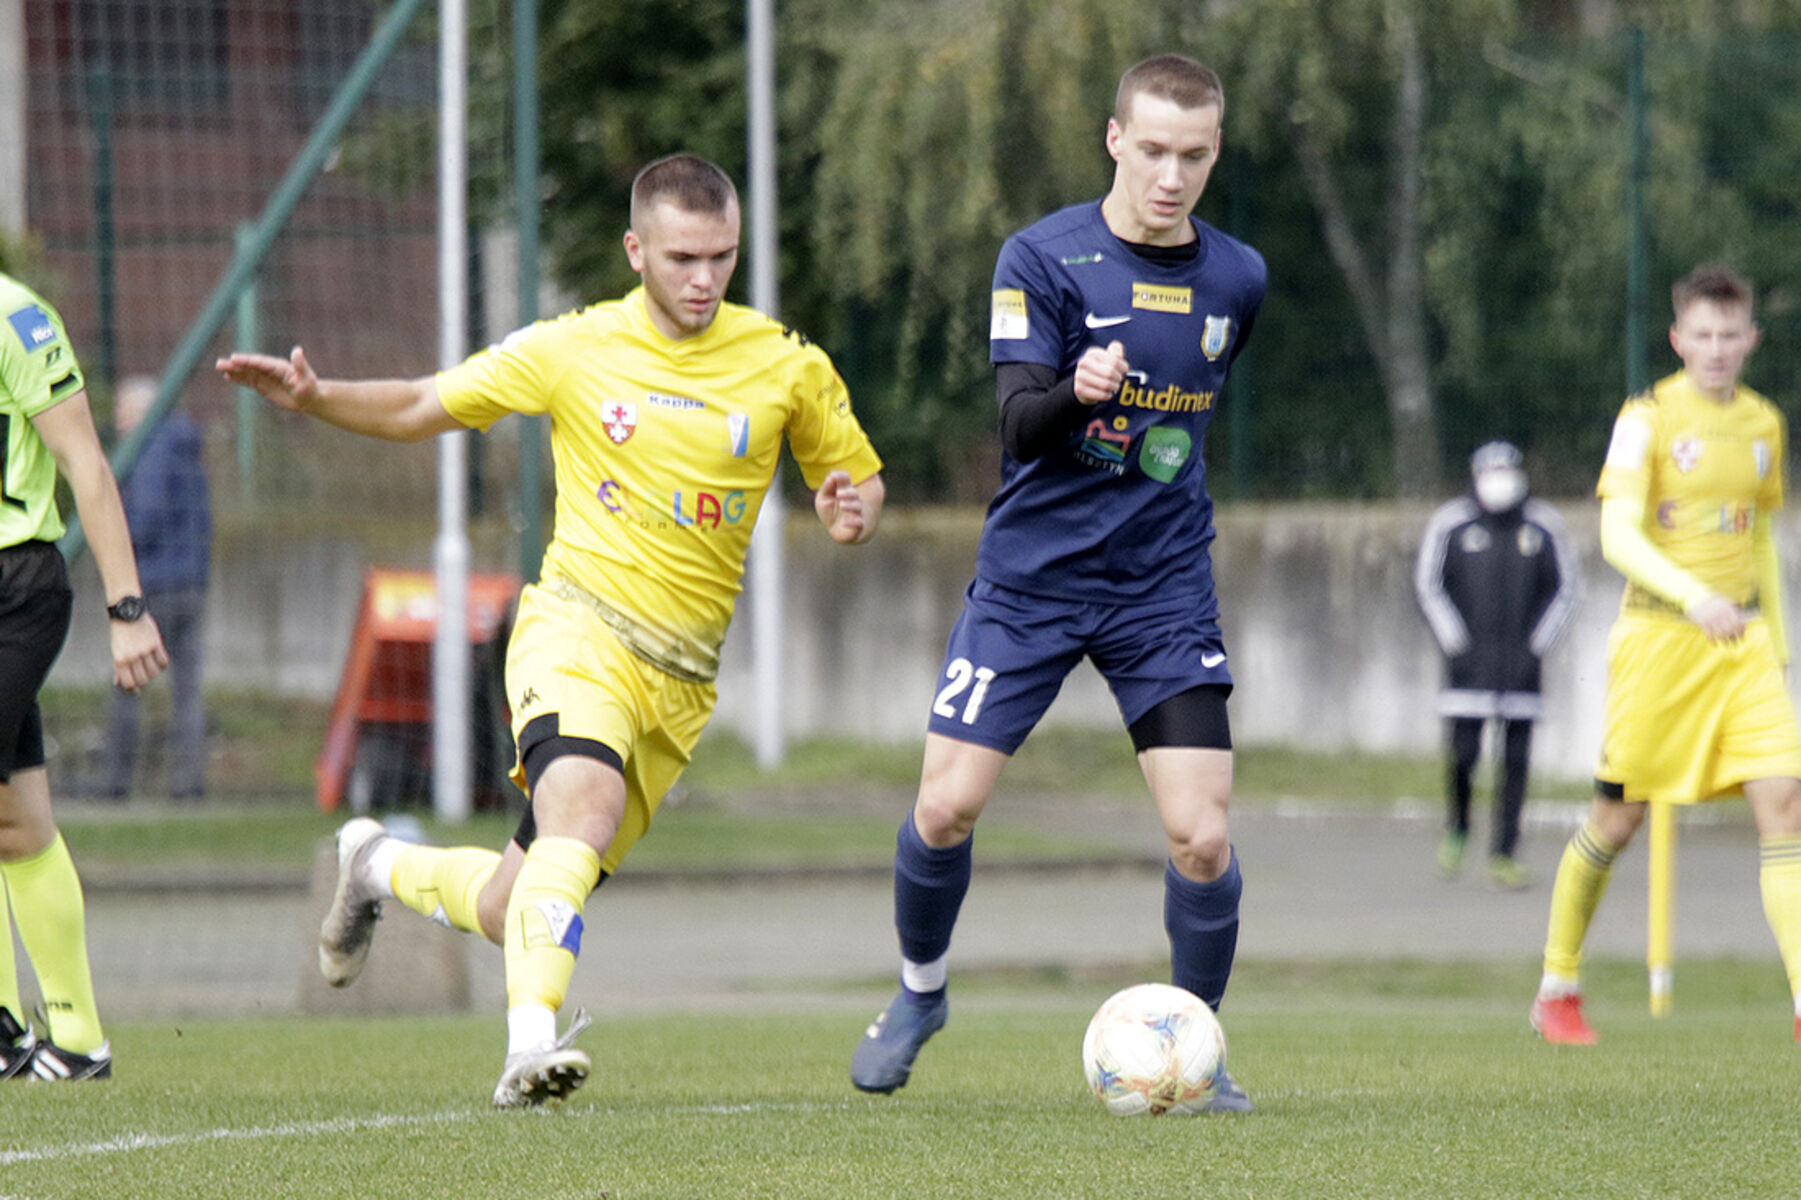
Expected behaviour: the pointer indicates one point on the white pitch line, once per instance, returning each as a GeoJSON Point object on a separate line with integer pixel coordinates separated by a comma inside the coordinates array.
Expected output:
{"type": "Point", "coordinates": [160, 1141]}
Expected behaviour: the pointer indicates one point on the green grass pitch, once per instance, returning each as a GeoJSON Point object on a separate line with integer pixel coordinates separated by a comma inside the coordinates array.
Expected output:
{"type": "Point", "coordinates": [1383, 1080]}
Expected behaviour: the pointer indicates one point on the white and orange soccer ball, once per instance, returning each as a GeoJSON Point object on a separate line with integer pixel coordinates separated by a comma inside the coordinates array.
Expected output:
{"type": "Point", "coordinates": [1153, 1049]}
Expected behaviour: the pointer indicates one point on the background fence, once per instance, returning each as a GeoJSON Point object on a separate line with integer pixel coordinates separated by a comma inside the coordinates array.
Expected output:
{"type": "Point", "coordinates": [1569, 168]}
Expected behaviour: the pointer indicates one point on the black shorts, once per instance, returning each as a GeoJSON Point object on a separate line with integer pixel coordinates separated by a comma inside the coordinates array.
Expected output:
{"type": "Point", "coordinates": [34, 621]}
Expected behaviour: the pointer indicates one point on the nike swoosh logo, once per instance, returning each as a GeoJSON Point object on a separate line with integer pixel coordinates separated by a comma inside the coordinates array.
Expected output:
{"type": "Point", "coordinates": [1094, 322]}
{"type": "Point", "coordinates": [1211, 661]}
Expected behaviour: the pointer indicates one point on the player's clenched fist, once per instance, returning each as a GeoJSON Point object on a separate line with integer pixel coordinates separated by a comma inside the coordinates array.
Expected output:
{"type": "Point", "coordinates": [285, 382]}
{"type": "Point", "coordinates": [1099, 372]}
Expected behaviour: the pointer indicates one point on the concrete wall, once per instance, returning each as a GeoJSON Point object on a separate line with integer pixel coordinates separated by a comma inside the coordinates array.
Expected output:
{"type": "Point", "coordinates": [1327, 647]}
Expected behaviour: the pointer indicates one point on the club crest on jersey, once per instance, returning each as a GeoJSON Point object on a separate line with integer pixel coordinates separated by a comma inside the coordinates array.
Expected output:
{"type": "Point", "coordinates": [620, 422]}
{"type": "Point", "coordinates": [1686, 453]}
{"type": "Point", "coordinates": [737, 429]}
{"type": "Point", "coordinates": [1760, 453]}
{"type": "Point", "coordinates": [1215, 335]}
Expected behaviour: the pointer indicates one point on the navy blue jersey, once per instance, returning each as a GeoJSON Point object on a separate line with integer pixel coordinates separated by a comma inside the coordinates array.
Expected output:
{"type": "Point", "coordinates": [1120, 512]}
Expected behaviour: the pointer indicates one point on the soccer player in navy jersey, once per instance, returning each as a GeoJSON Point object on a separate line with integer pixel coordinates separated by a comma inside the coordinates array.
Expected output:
{"type": "Point", "coordinates": [1112, 328]}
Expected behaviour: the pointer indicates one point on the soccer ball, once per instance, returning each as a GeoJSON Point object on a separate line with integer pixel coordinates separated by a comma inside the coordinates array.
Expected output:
{"type": "Point", "coordinates": [1153, 1049]}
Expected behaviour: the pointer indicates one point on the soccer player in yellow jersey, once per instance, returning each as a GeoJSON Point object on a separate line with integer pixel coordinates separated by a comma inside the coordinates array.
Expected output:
{"type": "Point", "coordinates": [1697, 706]}
{"type": "Point", "coordinates": [668, 409]}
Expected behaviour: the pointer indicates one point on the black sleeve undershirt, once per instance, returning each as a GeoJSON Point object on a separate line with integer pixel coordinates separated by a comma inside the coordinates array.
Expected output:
{"type": "Point", "coordinates": [1038, 410]}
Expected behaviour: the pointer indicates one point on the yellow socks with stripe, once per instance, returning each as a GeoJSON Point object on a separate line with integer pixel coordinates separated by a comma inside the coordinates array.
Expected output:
{"type": "Point", "coordinates": [1779, 878]}
{"type": "Point", "coordinates": [443, 884]}
{"type": "Point", "coordinates": [48, 908]}
{"type": "Point", "coordinates": [1582, 877]}
{"type": "Point", "coordinates": [544, 926]}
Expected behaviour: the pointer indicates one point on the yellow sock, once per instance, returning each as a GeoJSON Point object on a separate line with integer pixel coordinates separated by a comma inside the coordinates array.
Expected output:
{"type": "Point", "coordinates": [1581, 879]}
{"type": "Point", "coordinates": [9, 969]}
{"type": "Point", "coordinates": [1779, 878]}
{"type": "Point", "coordinates": [544, 920]}
{"type": "Point", "coordinates": [52, 919]}
{"type": "Point", "coordinates": [443, 884]}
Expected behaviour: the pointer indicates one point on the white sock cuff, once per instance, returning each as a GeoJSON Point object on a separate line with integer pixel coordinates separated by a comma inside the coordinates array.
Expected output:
{"type": "Point", "coordinates": [1551, 986]}
{"type": "Point", "coordinates": [925, 977]}
{"type": "Point", "coordinates": [530, 1026]}
{"type": "Point", "coordinates": [381, 865]}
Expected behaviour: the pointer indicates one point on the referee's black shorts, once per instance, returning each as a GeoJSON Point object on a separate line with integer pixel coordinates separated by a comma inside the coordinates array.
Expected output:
{"type": "Point", "coordinates": [34, 620]}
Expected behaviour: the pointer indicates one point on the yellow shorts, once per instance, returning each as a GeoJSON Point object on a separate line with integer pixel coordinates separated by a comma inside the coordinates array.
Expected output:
{"type": "Point", "coordinates": [563, 659]}
{"type": "Point", "coordinates": [1689, 719]}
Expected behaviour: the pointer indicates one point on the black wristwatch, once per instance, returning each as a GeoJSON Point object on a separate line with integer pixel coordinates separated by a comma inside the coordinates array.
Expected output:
{"type": "Point", "coordinates": [129, 608]}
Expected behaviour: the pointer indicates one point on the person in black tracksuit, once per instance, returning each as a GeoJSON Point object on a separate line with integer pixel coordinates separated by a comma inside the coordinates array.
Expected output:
{"type": "Point", "coordinates": [1497, 583]}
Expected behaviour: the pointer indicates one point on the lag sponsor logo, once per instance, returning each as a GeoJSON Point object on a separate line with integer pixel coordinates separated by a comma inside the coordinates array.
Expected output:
{"type": "Point", "coordinates": [705, 510]}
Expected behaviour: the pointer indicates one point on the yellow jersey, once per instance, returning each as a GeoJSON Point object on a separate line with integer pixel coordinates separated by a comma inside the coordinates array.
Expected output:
{"type": "Point", "coordinates": [37, 371]}
{"type": "Point", "coordinates": [664, 449]}
{"type": "Point", "coordinates": [1706, 471]}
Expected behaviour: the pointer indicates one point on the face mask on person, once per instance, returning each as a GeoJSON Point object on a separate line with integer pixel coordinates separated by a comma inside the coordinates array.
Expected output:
{"type": "Point", "coordinates": [1500, 489]}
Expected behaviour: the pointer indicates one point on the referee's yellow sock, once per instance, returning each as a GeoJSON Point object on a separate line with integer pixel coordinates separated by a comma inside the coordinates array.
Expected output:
{"type": "Point", "coordinates": [443, 884]}
{"type": "Point", "coordinates": [48, 908]}
{"type": "Point", "coordinates": [1779, 878]}
{"type": "Point", "coordinates": [1582, 876]}
{"type": "Point", "coordinates": [9, 970]}
{"type": "Point", "coordinates": [544, 920]}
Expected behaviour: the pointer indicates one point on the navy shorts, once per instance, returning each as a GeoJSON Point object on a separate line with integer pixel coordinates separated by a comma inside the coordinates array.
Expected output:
{"type": "Point", "coordinates": [34, 620]}
{"type": "Point", "coordinates": [1010, 652]}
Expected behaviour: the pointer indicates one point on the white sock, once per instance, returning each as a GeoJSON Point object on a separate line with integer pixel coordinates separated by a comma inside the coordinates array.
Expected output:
{"type": "Point", "coordinates": [924, 977]}
{"type": "Point", "coordinates": [1552, 987]}
{"type": "Point", "coordinates": [380, 877]}
{"type": "Point", "coordinates": [530, 1026]}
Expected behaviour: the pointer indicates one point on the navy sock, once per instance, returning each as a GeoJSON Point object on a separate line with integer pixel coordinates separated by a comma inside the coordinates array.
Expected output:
{"type": "Point", "coordinates": [929, 886]}
{"type": "Point", "coordinates": [1202, 922]}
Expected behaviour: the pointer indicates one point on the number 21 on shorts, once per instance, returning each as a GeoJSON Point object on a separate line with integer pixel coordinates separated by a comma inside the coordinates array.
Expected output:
{"type": "Point", "coordinates": [962, 674]}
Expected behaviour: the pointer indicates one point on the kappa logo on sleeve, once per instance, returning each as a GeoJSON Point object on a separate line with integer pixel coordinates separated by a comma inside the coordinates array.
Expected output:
{"type": "Point", "coordinates": [34, 327]}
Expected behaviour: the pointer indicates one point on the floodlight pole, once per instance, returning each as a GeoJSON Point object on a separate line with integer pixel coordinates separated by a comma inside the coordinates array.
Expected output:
{"type": "Point", "coordinates": [767, 549]}
{"type": "Point", "coordinates": [450, 556]}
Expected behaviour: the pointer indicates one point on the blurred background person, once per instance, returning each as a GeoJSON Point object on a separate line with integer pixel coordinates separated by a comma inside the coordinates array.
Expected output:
{"type": "Point", "coordinates": [1497, 582]}
{"type": "Point", "coordinates": [169, 508]}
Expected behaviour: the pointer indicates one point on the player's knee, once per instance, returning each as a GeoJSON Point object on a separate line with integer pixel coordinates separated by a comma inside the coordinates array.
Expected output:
{"type": "Point", "coordinates": [1202, 855]}
{"type": "Point", "coordinates": [1776, 805]}
{"type": "Point", "coordinates": [943, 820]}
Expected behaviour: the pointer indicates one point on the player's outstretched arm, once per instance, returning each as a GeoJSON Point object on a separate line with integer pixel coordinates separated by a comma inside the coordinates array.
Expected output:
{"type": "Point", "coordinates": [850, 511]}
{"type": "Point", "coordinates": [397, 410]}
